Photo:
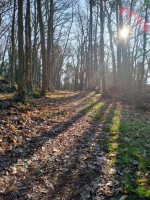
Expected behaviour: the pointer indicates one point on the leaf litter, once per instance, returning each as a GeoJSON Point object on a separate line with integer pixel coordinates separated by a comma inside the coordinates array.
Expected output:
{"type": "Point", "coordinates": [72, 148]}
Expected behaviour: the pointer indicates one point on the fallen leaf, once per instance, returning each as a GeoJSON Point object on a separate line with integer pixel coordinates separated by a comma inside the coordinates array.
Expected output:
{"type": "Point", "coordinates": [62, 138]}
{"type": "Point", "coordinates": [125, 191]}
{"type": "Point", "coordinates": [113, 154]}
{"type": "Point", "coordinates": [13, 187]}
{"type": "Point", "coordinates": [123, 197]}
{"type": "Point", "coordinates": [13, 128]}
{"type": "Point", "coordinates": [49, 184]}
{"type": "Point", "coordinates": [88, 156]}
{"type": "Point", "coordinates": [42, 189]}
{"type": "Point", "coordinates": [31, 166]}
{"type": "Point", "coordinates": [14, 140]}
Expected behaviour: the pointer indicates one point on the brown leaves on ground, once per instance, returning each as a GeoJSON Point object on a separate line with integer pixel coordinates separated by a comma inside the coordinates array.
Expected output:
{"type": "Point", "coordinates": [52, 148]}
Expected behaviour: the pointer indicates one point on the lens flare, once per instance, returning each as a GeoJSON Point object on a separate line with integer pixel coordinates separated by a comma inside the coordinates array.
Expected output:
{"type": "Point", "coordinates": [136, 19]}
{"type": "Point", "coordinates": [124, 33]}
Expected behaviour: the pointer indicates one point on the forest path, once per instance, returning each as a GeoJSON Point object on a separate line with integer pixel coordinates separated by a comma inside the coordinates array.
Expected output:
{"type": "Point", "coordinates": [74, 146]}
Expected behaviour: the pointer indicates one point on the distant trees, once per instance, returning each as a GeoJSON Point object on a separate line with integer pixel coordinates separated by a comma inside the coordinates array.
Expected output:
{"type": "Point", "coordinates": [69, 79]}
{"type": "Point", "coordinates": [53, 33]}
{"type": "Point", "coordinates": [38, 57]}
{"type": "Point", "coordinates": [111, 53]}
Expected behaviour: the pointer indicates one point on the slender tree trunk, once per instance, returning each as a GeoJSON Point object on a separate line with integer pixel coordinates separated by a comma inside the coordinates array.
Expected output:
{"type": "Point", "coordinates": [50, 70]}
{"type": "Point", "coordinates": [82, 66]}
{"type": "Point", "coordinates": [51, 40]}
{"type": "Point", "coordinates": [44, 79]}
{"type": "Point", "coordinates": [144, 49]}
{"type": "Point", "coordinates": [3, 57]}
{"type": "Point", "coordinates": [90, 47]}
{"type": "Point", "coordinates": [77, 73]}
{"type": "Point", "coordinates": [16, 69]}
{"type": "Point", "coordinates": [13, 48]}
{"type": "Point", "coordinates": [102, 47]}
{"type": "Point", "coordinates": [21, 92]}
{"type": "Point", "coordinates": [87, 80]}
{"type": "Point", "coordinates": [0, 19]}
{"type": "Point", "coordinates": [119, 49]}
{"type": "Point", "coordinates": [28, 69]}
{"type": "Point", "coordinates": [95, 55]}
{"type": "Point", "coordinates": [34, 51]}
{"type": "Point", "coordinates": [112, 50]}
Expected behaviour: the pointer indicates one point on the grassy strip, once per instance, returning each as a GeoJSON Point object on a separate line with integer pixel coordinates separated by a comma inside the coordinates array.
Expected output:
{"type": "Point", "coordinates": [128, 142]}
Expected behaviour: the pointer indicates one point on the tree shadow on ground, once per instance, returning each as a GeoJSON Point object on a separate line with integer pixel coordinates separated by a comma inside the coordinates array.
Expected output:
{"type": "Point", "coordinates": [37, 142]}
{"type": "Point", "coordinates": [62, 97]}
{"type": "Point", "coordinates": [76, 172]}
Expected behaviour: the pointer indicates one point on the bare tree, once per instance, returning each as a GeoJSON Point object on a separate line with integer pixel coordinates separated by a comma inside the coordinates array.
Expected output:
{"type": "Point", "coordinates": [44, 77]}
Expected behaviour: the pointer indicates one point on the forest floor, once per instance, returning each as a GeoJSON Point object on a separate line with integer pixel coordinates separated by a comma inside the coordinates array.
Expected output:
{"type": "Point", "coordinates": [73, 146]}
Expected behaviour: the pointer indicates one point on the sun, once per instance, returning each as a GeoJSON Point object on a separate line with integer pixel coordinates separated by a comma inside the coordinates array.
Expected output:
{"type": "Point", "coordinates": [124, 33]}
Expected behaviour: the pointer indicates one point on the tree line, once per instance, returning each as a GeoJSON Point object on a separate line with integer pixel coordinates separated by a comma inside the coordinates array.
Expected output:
{"type": "Point", "coordinates": [74, 44]}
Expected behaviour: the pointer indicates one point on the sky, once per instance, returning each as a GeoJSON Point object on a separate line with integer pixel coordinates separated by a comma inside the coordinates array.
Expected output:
{"type": "Point", "coordinates": [82, 2]}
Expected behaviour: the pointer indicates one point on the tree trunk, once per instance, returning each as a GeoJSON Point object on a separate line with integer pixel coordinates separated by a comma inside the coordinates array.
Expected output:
{"type": "Point", "coordinates": [13, 48]}
{"type": "Point", "coordinates": [112, 50]}
{"type": "Point", "coordinates": [34, 51]}
{"type": "Point", "coordinates": [44, 79]}
{"type": "Point", "coordinates": [90, 48]}
{"type": "Point", "coordinates": [21, 92]}
{"type": "Point", "coordinates": [102, 47]}
{"type": "Point", "coordinates": [50, 70]}
{"type": "Point", "coordinates": [119, 49]}
{"type": "Point", "coordinates": [95, 81]}
{"type": "Point", "coordinates": [144, 49]}
{"type": "Point", "coordinates": [28, 69]}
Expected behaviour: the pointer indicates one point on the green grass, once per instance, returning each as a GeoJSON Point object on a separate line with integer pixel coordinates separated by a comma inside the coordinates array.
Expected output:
{"type": "Point", "coordinates": [131, 152]}
{"type": "Point", "coordinates": [2, 77]}
{"type": "Point", "coordinates": [63, 113]}
{"type": "Point", "coordinates": [128, 142]}
{"type": "Point", "coordinates": [93, 108]}
{"type": "Point", "coordinates": [55, 95]}
{"type": "Point", "coordinates": [35, 94]}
